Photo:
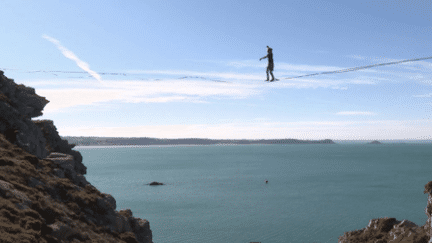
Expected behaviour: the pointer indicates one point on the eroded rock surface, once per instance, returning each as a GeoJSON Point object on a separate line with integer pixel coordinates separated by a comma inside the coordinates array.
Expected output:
{"type": "Point", "coordinates": [44, 196]}
{"type": "Point", "coordinates": [18, 104]}
{"type": "Point", "coordinates": [394, 231]}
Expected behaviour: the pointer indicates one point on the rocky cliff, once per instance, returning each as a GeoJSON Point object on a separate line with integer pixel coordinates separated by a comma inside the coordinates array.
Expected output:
{"type": "Point", "coordinates": [44, 195]}
{"type": "Point", "coordinates": [390, 230]}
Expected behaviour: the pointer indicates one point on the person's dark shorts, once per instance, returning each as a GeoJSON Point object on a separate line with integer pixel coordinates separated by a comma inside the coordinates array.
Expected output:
{"type": "Point", "coordinates": [270, 67]}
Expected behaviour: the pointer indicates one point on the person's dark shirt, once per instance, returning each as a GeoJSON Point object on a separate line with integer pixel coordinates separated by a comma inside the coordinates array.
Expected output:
{"type": "Point", "coordinates": [270, 58]}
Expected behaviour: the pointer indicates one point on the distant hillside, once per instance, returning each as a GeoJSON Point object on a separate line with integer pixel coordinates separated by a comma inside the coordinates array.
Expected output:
{"type": "Point", "coordinates": [113, 141]}
{"type": "Point", "coordinates": [375, 142]}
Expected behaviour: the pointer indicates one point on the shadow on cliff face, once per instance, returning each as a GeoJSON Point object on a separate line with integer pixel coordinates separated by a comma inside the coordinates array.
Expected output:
{"type": "Point", "coordinates": [44, 196]}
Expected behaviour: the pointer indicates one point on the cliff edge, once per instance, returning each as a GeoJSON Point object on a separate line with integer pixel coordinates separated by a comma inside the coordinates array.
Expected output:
{"type": "Point", "coordinates": [44, 195]}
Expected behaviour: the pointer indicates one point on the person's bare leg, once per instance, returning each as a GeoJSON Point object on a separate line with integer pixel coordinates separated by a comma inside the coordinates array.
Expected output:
{"type": "Point", "coordinates": [267, 72]}
{"type": "Point", "coordinates": [271, 72]}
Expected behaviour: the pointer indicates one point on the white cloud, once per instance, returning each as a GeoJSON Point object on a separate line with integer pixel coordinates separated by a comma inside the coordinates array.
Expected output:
{"type": "Point", "coordinates": [64, 98]}
{"type": "Point", "coordinates": [168, 99]}
{"type": "Point", "coordinates": [356, 113]}
{"type": "Point", "coordinates": [247, 63]}
{"type": "Point", "coordinates": [69, 54]}
{"type": "Point", "coordinates": [413, 70]}
{"type": "Point", "coordinates": [224, 75]}
{"type": "Point", "coordinates": [361, 81]}
{"type": "Point", "coordinates": [358, 57]}
{"type": "Point", "coordinates": [423, 96]}
{"type": "Point", "coordinates": [281, 66]}
{"type": "Point", "coordinates": [63, 93]}
{"type": "Point", "coordinates": [144, 91]}
{"type": "Point", "coordinates": [321, 83]}
{"type": "Point", "coordinates": [352, 130]}
{"type": "Point", "coordinates": [305, 68]}
{"type": "Point", "coordinates": [340, 88]}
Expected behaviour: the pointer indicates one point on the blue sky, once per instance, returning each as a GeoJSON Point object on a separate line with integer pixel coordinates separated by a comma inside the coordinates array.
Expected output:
{"type": "Point", "coordinates": [154, 68]}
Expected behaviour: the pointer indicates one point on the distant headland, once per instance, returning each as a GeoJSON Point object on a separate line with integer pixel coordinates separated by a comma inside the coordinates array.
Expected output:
{"type": "Point", "coordinates": [375, 142]}
{"type": "Point", "coordinates": [144, 141]}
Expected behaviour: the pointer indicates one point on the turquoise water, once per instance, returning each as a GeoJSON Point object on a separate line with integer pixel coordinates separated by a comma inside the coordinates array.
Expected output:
{"type": "Point", "coordinates": [217, 193]}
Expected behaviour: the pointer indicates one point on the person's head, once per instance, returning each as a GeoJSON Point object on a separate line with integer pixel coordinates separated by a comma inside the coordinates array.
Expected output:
{"type": "Point", "coordinates": [269, 49]}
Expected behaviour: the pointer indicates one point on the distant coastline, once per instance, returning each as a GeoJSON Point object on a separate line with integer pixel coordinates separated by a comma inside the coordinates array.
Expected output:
{"type": "Point", "coordinates": [120, 141]}
{"type": "Point", "coordinates": [375, 142]}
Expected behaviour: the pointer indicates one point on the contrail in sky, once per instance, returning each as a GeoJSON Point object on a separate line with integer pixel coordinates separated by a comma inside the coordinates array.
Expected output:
{"type": "Point", "coordinates": [69, 54]}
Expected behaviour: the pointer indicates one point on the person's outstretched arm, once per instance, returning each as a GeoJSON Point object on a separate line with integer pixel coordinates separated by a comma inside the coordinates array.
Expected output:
{"type": "Point", "coordinates": [263, 57]}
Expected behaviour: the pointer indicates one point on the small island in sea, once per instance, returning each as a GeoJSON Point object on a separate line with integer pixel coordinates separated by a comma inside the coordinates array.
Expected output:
{"type": "Point", "coordinates": [145, 141]}
{"type": "Point", "coordinates": [375, 142]}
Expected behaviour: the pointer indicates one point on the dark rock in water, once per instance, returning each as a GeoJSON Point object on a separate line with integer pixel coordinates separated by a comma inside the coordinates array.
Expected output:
{"type": "Point", "coordinates": [44, 195]}
{"type": "Point", "coordinates": [155, 183]}
{"type": "Point", "coordinates": [375, 142]}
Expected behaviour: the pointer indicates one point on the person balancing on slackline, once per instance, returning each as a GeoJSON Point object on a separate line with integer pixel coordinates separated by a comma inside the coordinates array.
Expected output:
{"type": "Point", "coordinates": [270, 65]}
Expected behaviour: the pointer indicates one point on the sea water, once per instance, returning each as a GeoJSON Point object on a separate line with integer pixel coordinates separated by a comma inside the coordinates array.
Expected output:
{"type": "Point", "coordinates": [218, 193]}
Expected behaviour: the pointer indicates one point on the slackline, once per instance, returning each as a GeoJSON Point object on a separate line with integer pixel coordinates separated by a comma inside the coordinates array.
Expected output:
{"type": "Point", "coordinates": [362, 67]}
{"type": "Point", "coordinates": [209, 79]}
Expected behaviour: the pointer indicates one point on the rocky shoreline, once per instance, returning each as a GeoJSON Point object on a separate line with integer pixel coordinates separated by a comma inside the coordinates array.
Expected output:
{"type": "Point", "coordinates": [390, 230]}
{"type": "Point", "coordinates": [44, 195]}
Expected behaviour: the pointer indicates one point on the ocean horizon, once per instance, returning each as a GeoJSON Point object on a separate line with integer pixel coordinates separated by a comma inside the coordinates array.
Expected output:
{"type": "Point", "coordinates": [356, 142]}
{"type": "Point", "coordinates": [217, 193]}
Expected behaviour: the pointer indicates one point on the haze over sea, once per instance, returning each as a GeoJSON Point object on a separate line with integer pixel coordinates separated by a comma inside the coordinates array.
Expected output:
{"type": "Point", "coordinates": [218, 194]}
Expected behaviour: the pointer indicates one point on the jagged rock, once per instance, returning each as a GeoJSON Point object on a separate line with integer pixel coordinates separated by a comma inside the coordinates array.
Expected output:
{"type": "Point", "coordinates": [65, 161]}
{"type": "Point", "coordinates": [142, 230]}
{"type": "Point", "coordinates": [128, 237]}
{"type": "Point", "coordinates": [406, 230]}
{"type": "Point", "coordinates": [22, 98]}
{"type": "Point", "coordinates": [32, 104]}
{"type": "Point", "coordinates": [80, 180]}
{"type": "Point", "coordinates": [67, 165]}
{"type": "Point", "coordinates": [11, 135]}
{"type": "Point", "coordinates": [387, 230]}
{"type": "Point", "coordinates": [54, 142]}
{"type": "Point", "coordinates": [18, 104]}
{"type": "Point", "coordinates": [33, 182]}
{"type": "Point", "coordinates": [64, 232]}
{"type": "Point", "coordinates": [140, 227]}
{"type": "Point", "coordinates": [118, 223]}
{"type": "Point", "coordinates": [29, 138]}
{"type": "Point", "coordinates": [80, 168]}
{"type": "Point", "coordinates": [46, 198]}
{"type": "Point", "coordinates": [428, 209]}
{"type": "Point", "coordinates": [107, 203]}
{"type": "Point", "coordinates": [391, 230]}
{"type": "Point", "coordinates": [59, 173]}
{"type": "Point", "coordinates": [7, 190]}
{"type": "Point", "coordinates": [155, 183]}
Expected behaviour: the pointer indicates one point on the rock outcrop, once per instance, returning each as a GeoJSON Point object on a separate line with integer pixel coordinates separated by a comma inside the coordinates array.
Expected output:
{"type": "Point", "coordinates": [44, 195]}
{"type": "Point", "coordinates": [155, 183]}
{"type": "Point", "coordinates": [394, 231]}
{"type": "Point", "coordinates": [18, 104]}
